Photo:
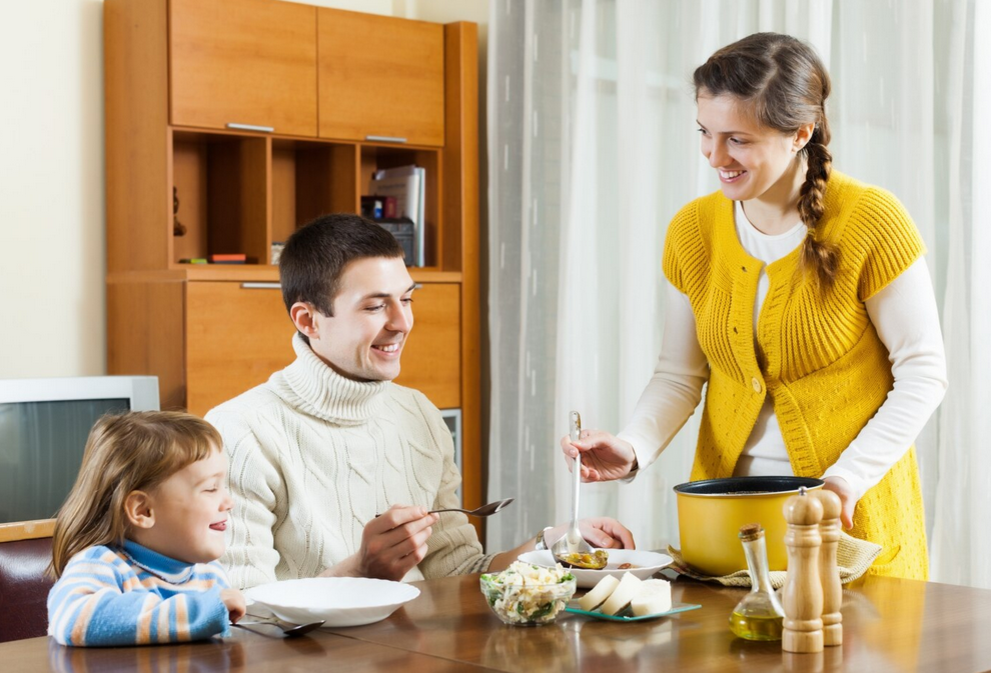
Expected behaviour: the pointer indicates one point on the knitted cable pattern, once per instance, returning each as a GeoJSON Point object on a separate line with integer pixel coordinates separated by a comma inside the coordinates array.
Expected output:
{"type": "Point", "coordinates": [817, 355]}
{"type": "Point", "coordinates": [315, 456]}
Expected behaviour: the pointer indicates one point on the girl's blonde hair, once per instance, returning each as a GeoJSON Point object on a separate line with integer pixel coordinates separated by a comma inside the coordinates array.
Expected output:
{"type": "Point", "coordinates": [125, 452]}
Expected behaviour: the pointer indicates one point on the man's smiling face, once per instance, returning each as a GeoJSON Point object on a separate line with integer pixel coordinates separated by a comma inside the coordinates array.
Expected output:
{"type": "Point", "coordinates": [373, 315]}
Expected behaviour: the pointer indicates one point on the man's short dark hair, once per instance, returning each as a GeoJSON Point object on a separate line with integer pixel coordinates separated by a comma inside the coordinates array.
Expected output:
{"type": "Point", "coordinates": [315, 256]}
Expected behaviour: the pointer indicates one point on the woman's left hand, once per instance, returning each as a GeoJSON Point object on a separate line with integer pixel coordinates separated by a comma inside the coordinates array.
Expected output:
{"type": "Point", "coordinates": [840, 487]}
{"type": "Point", "coordinates": [601, 532]}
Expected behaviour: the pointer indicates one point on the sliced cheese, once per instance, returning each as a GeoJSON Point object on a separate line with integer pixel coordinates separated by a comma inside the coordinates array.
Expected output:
{"type": "Point", "coordinates": [598, 595]}
{"type": "Point", "coordinates": [621, 596]}
{"type": "Point", "coordinates": [653, 597]}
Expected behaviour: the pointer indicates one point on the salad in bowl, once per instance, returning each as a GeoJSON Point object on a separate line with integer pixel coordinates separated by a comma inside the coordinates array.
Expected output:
{"type": "Point", "coordinates": [525, 594]}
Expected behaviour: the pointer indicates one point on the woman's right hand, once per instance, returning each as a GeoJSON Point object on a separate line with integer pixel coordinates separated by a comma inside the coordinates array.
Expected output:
{"type": "Point", "coordinates": [604, 456]}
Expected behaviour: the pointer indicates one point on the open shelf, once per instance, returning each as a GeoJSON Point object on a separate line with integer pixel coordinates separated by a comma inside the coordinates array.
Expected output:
{"type": "Point", "coordinates": [240, 193]}
{"type": "Point", "coordinates": [378, 157]}
{"type": "Point", "coordinates": [310, 179]}
{"type": "Point", "coordinates": [220, 181]}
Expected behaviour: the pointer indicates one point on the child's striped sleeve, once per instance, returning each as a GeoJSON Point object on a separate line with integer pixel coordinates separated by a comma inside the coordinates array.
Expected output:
{"type": "Point", "coordinates": [94, 603]}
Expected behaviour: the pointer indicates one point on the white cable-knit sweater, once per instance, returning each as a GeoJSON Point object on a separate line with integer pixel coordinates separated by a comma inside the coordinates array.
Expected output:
{"type": "Point", "coordinates": [315, 456]}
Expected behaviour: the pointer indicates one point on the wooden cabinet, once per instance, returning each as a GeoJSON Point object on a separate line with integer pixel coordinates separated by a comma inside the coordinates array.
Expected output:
{"type": "Point", "coordinates": [237, 334]}
{"type": "Point", "coordinates": [380, 77]}
{"type": "Point", "coordinates": [182, 184]}
{"type": "Point", "coordinates": [250, 62]}
{"type": "Point", "coordinates": [432, 355]}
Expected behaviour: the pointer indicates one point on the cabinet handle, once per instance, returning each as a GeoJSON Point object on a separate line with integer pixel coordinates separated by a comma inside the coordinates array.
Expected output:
{"type": "Point", "coordinates": [417, 286]}
{"type": "Point", "coordinates": [261, 286]}
{"type": "Point", "coordinates": [251, 127]}
{"type": "Point", "coordinates": [385, 139]}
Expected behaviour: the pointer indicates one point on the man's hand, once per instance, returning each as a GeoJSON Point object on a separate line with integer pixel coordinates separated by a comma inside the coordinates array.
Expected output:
{"type": "Point", "coordinates": [848, 503]}
{"type": "Point", "coordinates": [604, 456]}
{"type": "Point", "coordinates": [601, 531]}
{"type": "Point", "coordinates": [392, 544]}
{"type": "Point", "coordinates": [234, 600]}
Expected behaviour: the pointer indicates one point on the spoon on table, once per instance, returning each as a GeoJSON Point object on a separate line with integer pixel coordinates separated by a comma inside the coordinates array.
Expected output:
{"type": "Point", "coordinates": [484, 510]}
{"type": "Point", "coordinates": [573, 542]}
{"type": "Point", "coordinates": [288, 630]}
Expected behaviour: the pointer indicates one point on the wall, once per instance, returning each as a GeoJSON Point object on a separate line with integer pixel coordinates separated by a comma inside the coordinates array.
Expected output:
{"type": "Point", "coordinates": [52, 294]}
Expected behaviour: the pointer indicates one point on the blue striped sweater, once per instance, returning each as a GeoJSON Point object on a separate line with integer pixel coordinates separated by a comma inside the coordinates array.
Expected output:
{"type": "Point", "coordinates": [135, 596]}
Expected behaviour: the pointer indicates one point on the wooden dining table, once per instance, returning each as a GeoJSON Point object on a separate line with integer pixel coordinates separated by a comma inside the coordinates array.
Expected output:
{"type": "Point", "coordinates": [888, 625]}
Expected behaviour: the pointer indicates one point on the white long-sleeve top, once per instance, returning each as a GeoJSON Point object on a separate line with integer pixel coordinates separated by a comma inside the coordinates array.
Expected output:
{"type": "Point", "coordinates": [907, 322]}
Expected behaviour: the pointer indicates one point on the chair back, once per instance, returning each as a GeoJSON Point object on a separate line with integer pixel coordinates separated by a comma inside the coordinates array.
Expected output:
{"type": "Point", "coordinates": [25, 552]}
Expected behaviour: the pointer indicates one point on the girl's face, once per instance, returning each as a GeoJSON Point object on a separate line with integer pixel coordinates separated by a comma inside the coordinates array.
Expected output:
{"type": "Point", "coordinates": [185, 516]}
{"type": "Point", "coordinates": [753, 162]}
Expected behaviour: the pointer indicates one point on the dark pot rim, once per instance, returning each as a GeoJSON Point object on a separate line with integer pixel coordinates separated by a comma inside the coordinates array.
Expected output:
{"type": "Point", "coordinates": [744, 487]}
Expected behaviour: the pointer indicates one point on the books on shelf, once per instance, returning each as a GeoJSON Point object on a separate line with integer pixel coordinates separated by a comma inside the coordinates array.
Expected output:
{"type": "Point", "coordinates": [379, 207]}
{"type": "Point", "coordinates": [404, 231]}
{"type": "Point", "coordinates": [407, 185]}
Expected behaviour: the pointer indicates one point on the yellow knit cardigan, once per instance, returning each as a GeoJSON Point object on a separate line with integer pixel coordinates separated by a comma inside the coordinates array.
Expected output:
{"type": "Point", "coordinates": [818, 356]}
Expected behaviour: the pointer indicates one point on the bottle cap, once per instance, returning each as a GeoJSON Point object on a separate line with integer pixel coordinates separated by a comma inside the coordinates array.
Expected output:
{"type": "Point", "coordinates": [750, 531]}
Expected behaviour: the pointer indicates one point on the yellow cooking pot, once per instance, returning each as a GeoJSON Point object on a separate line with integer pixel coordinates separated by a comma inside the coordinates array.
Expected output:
{"type": "Point", "coordinates": [711, 512]}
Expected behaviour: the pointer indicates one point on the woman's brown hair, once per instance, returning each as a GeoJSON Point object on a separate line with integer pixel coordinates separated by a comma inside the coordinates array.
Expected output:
{"type": "Point", "coordinates": [125, 452]}
{"type": "Point", "coordinates": [782, 82]}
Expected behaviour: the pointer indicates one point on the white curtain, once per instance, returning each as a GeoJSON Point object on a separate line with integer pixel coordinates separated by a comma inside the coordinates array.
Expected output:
{"type": "Point", "coordinates": [593, 148]}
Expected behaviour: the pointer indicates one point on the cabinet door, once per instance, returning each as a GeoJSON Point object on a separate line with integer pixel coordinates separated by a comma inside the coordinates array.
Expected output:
{"type": "Point", "coordinates": [236, 338]}
{"type": "Point", "coordinates": [380, 76]}
{"type": "Point", "coordinates": [431, 360]}
{"type": "Point", "coordinates": [243, 62]}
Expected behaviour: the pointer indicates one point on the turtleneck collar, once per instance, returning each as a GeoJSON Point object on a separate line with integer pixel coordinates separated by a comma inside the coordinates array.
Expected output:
{"type": "Point", "coordinates": [164, 567]}
{"type": "Point", "coordinates": [315, 388]}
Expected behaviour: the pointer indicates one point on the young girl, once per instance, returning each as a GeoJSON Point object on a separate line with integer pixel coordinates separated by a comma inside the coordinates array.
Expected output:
{"type": "Point", "coordinates": [800, 298]}
{"type": "Point", "coordinates": [136, 542]}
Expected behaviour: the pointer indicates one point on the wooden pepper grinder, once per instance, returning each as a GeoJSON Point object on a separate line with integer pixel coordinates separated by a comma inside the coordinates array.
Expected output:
{"type": "Point", "coordinates": [832, 591]}
{"type": "Point", "coordinates": [802, 598]}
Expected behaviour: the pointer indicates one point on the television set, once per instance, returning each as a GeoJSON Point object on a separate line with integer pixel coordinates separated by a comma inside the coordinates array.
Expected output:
{"type": "Point", "coordinates": [44, 424]}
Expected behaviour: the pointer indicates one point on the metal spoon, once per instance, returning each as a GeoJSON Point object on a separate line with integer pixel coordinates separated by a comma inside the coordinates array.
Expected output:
{"type": "Point", "coordinates": [288, 630]}
{"type": "Point", "coordinates": [484, 510]}
{"type": "Point", "coordinates": [573, 542]}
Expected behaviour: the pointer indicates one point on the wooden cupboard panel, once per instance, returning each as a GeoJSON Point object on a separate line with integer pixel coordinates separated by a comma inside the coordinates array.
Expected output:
{"type": "Point", "coordinates": [432, 355]}
{"type": "Point", "coordinates": [460, 245]}
{"type": "Point", "coordinates": [243, 61]}
{"type": "Point", "coordinates": [144, 335]}
{"type": "Point", "coordinates": [380, 76]}
{"type": "Point", "coordinates": [136, 77]}
{"type": "Point", "coordinates": [235, 339]}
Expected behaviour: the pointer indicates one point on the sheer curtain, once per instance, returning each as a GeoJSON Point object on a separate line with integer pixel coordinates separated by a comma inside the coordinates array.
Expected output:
{"type": "Point", "coordinates": [592, 149]}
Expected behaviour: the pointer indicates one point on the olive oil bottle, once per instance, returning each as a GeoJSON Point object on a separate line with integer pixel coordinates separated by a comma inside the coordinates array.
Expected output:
{"type": "Point", "coordinates": [759, 616]}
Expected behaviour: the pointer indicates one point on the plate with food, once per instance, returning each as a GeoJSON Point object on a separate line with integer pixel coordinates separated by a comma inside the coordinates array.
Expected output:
{"type": "Point", "coordinates": [642, 564]}
{"type": "Point", "coordinates": [628, 599]}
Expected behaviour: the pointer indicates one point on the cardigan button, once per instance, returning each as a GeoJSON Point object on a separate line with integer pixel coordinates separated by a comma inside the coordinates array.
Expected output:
{"type": "Point", "coordinates": [756, 384]}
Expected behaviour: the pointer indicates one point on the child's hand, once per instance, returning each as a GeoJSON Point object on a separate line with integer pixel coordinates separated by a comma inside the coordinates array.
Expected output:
{"type": "Point", "coordinates": [234, 600]}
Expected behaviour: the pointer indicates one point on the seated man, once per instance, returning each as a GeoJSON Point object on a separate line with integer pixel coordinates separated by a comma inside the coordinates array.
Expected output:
{"type": "Point", "coordinates": [332, 466]}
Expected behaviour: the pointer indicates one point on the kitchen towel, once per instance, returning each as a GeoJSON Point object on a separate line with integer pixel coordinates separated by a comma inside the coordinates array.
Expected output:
{"type": "Point", "coordinates": [853, 557]}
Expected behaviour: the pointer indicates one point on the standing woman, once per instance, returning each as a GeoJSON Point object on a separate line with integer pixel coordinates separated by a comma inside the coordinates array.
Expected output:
{"type": "Point", "coordinates": [801, 296]}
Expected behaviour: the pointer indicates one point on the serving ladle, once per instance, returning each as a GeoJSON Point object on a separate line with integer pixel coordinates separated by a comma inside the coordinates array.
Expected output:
{"type": "Point", "coordinates": [573, 542]}
{"type": "Point", "coordinates": [484, 510]}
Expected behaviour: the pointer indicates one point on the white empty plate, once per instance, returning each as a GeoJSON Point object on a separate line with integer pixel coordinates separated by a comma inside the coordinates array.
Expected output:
{"type": "Point", "coordinates": [645, 563]}
{"type": "Point", "coordinates": [340, 601]}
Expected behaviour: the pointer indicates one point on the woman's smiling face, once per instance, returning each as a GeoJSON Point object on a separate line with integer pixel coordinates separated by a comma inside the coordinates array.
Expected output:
{"type": "Point", "coordinates": [751, 159]}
